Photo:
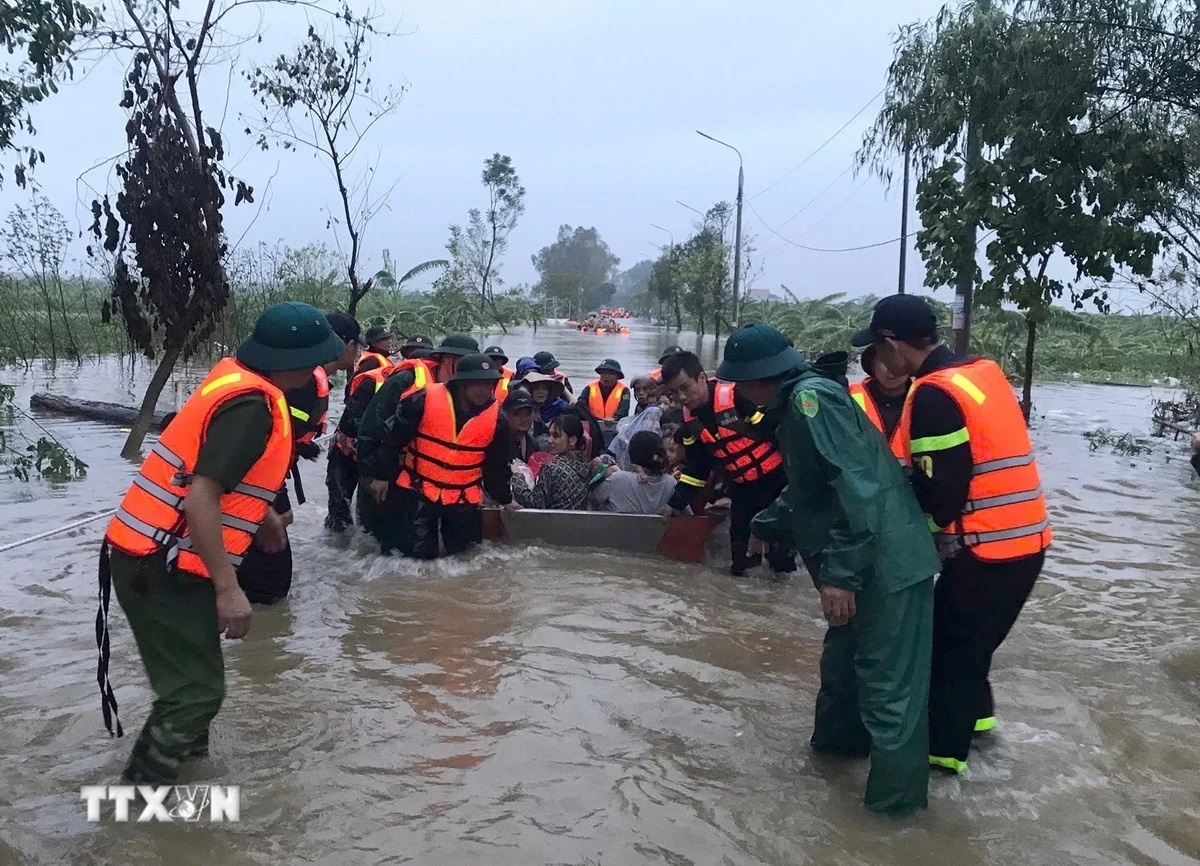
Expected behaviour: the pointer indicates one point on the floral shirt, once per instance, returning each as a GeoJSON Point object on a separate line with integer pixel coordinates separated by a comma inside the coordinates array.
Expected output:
{"type": "Point", "coordinates": [561, 484]}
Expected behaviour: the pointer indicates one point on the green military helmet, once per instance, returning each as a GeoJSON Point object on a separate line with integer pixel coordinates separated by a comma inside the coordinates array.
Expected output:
{"type": "Point", "coordinates": [757, 352]}
{"type": "Point", "coordinates": [457, 344]}
{"type": "Point", "coordinates": [611, 365]}
{"type": "Point", "coordinates": [476, 368]}
{"type": "Point", "coordinates": [290, 336]}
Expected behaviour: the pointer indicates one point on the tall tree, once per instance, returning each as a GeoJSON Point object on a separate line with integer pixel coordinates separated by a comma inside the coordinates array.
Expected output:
{"type": "Point", "coordinates": [580, 262]}
{"type": "Point", "coordinates": [321, 97]}
{"type": "Point", "coordinates": [40, 33]}
{"type": "Point", "coordinates": [475, 252]}
{"type": "Point", "coordinates": [703, 268]}
{"type": "Point", "coordinates": [1008, 136]}
{"type": "Point", "coordinates": [173, 186]}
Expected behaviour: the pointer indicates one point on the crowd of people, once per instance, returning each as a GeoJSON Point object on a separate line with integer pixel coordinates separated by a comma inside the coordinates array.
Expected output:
{"type": "Point", "coordinates": [924, 468]}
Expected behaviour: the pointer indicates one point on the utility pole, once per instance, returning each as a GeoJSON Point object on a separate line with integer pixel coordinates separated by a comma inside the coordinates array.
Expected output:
{"type": "Point", "coordinates": [964, 291]}
{"type": "Point", "coordinates": [904, 220]}
{"type": "Point", "coordinates": [737, 242]}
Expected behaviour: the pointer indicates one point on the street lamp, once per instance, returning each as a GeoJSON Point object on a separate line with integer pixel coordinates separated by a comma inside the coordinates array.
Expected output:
{"type": "Point", "coordinates": [670, 260]}
{"type": "Point", "coordinates": [689, 207]}
{"type": "Point", "coordinates": [737, 243]}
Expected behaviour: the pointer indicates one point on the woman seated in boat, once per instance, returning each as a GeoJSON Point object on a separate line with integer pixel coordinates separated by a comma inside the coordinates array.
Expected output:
{"type": "Point", "coordinates": [643, 388]}
{"type": "Point", "coordinates": [562, 484]}
{"type": "Point", "coordinates": [647, 489]}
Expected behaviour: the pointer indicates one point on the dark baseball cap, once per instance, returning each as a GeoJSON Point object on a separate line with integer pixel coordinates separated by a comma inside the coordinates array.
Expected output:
{"type": "Point", "coordinates": [900, 317]}
{"type": "Point", "coordinates": [518, 399]}
{"type": "Point", "coordinates": [344, 325]}
{"type": "Point", "coordinates": [668, 352]}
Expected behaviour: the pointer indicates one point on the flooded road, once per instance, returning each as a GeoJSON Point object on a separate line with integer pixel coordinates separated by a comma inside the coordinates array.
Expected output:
{"type": "Point", "coordinates": [538, 706]}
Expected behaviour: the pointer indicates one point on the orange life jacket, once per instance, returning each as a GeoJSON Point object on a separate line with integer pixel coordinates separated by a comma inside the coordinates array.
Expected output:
{"type": "Point", "coordinates": [384, 360]}
{"type": "Point", "coordinates": [306, 428]}
{"type": "Point", "coordinates": [656, 375]}
{"type": "Point", "coordinates": [150, 516]}
{"type": "Point", "coordinates": [504, 384]}
{"type": "Point", "coordinates": [421, 377]}
{"type": "Point", "coordinates": [745, 454]}
{"type": "Point", "coordinates": [1005, 516]}
{"type": "Point", "coordinates": [858, 390]}
{"type": "Point", "coordinates": [600, 408]}
{"type": "Point", "coordinates": [445, 464]}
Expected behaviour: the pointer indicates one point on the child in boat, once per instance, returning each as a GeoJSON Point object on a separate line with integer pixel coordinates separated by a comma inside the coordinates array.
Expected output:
{"type": "Point", "coordinates": [644, 491]}
{"type": "Point", "coordinates": [562, 483]}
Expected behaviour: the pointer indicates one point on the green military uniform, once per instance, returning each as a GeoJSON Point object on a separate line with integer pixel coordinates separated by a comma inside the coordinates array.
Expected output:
{"type": "Point", "coordinates": [855, 522]}
{"type": "Point", "coordinates": [173, 613]}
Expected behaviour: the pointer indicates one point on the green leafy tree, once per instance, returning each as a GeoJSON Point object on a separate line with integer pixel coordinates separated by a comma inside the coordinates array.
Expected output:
{"type": "Point", "coordinates": [476, 252]}
{"type": "Point", "coordinates": [578, 268]}
{"type": "Point", "coordinates": [321, 98]}
{"type": "Point", "coordinates": [40, 35]}
{"type": "Point", "coordinates": [1001, 118]}
{"type": "Point", "coordinates": [703, 268]}
{"type": "Point", "coordinates": [33, 240]}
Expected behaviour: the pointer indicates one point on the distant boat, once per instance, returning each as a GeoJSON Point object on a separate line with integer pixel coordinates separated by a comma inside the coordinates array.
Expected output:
{"type": "Point", "coordinates": [682, 539]}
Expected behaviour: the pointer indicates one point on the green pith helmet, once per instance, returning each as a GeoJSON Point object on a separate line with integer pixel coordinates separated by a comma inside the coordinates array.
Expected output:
{"type": "Point", "coordinates": [668, 352]}
{"type": "Point", "coordinates": [757, 352]}
{"type": "Point", "coordinates": [608, 365]}
{"type": "Point", "coordinates": [833, 365]}
{"type": "Point", "coordinates": [496, 354]}
{"type": "Point", "coordinates": [290, 336]}
{"type": "Point", "coordinates": [376, 333]}
{"type": "Point", "coordinates": [476, 368]}
{"type": "Point", "coordinates": [457, 344]}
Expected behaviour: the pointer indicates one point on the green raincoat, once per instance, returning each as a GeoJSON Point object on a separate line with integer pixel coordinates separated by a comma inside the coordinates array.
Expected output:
{"type": "Point", "coordinates": [853, 517]}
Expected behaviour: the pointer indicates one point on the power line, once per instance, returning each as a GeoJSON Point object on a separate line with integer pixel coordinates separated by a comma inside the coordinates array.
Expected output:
{"type": "Point", "coordinates": [813, 200]}
{"type": "Point", "coordinates": [804, 161]}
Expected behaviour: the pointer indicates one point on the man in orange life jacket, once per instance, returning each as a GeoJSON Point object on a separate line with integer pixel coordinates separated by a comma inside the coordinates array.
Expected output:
{"type": "Point", "coordinates": [415, 347]}
{"type": "Point", "coordinates": [383, 509]}
{"type": "Point", "coordinates": [881, 394]}
{"type": "Point", "coordinates": [506, 375]}
{"type": "Point", "coordinates": [455, 444]}
{"type": "Point", "coordinates": [201, 497]}
{"type": "Point", "coordinates": [605, 401]}
{"type": "Point", "coordinates": [266, 577]}
{"type": "Point", "coordinates": [656, 373]}
{"type": "Point", "coordinates": [726, 432]}
{"type": "Point", "coordinates": [963, 435]}
{"type": "Point", "coordinates": [379, 347]}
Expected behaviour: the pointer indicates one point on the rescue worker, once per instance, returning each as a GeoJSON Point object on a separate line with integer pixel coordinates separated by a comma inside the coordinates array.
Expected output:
{"type": "Point", "coordinates": [726, 432]}
{"type": "Point", "coordinates": [414, 345]}
{"type": "Point", "coordinates": [549, 365]}
{"type": "Point", "coordinates": [455, 445]}
{"type": "Point", "coordinates": [881, 394]}
{"type": "Point", "coordinates": [506, 375]}
{"type": "Point", "coordinates": [656, 373]}
{"type": "Point", "coordinates": [202, 496]}
{"type": "Point", "coordinates": [265, 577]}
{"type": "Point", "coordinates": [379, 347]}
{"type": "Point", "coordinates": [964, 436]}
{"type": "Point", "coordinates": [382, 508]}
{"type": "Point", "coordinates": [341, 473]}
{"type": "Point", "coordinates": [856, 523]}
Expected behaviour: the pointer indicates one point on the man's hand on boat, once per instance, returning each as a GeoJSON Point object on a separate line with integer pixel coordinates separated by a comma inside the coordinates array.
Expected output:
{"type": "Point", "coordinates": [668, 512]}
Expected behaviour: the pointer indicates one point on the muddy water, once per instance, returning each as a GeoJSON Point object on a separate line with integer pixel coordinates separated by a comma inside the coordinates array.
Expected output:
{"type": "Point", "coordinates": [538, 706]}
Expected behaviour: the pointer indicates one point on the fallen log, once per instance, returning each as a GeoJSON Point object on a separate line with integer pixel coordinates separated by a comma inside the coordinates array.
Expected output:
{"type": "Point", "coordinates": [93, 410]}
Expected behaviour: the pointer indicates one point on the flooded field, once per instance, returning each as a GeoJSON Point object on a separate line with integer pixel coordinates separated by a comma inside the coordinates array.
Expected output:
{"type": "Point", "coordinates": [539, 706]}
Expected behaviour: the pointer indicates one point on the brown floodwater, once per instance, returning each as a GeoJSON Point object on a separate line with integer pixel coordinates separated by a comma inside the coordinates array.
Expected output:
{"type": "Point", "coordinates": [541, 706]}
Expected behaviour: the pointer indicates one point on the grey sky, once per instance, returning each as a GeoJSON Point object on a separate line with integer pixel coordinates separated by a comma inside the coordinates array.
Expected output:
{"type": "Point", "coordinates": [596, 102]}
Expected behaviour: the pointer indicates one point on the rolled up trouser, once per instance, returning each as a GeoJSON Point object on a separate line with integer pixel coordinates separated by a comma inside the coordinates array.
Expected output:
{"type": "Point", "coordinates": [341, 480]}
{"type": "Point", "coordinates": [875, 691]}
{"type": "Point", "coordinates": [173, 616]}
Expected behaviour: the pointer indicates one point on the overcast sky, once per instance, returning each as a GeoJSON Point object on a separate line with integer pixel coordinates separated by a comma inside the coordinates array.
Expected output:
{"type": "Point", "coordinates": [596, 102]}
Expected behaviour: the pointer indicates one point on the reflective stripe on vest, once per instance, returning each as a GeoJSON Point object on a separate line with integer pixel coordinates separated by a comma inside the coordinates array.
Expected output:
{"type": "Point", "coordinates": [383, 360]}
{"type": "Point", "coordinates": [443, 463]}
{"type": "Point", "coordinates": [150, 517]}
{"type": "Point", "coordinates": [741, 450]}
{"type": "Point", "coordinates": [600, 408]}
{"type": "Point", "coordinates": [866, 402]}
{"type": "Point", "coordinates": [1005, 514]}
{"type": "Point", "coordinates": [310, 429]}
{"type": "Point", "coordinates": [421, 375]}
